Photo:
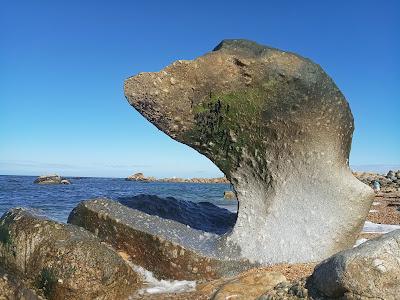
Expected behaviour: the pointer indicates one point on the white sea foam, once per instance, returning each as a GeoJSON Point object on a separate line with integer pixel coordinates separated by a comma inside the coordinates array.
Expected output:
{"type": "Point", "coordinates": [155, 286]}
{"type": "Point", "coordinates": [359, 242]}
{"type": "Point", "coordinates": [370, 227]}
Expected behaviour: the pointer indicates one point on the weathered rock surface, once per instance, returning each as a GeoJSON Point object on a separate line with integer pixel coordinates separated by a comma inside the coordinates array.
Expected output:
{"type": "Point", "coordinates": [169, 249]}
{"type": "Point", "coordinates": [62, 261]}
{"type": "Point", "coordinates": [12, 288]}
{"type": "Point", "coordinates": [49, 179]}
{"type": "Point", "coordinates": [369, 271]}
{"type": "Point", "coordinates": [280, 130]}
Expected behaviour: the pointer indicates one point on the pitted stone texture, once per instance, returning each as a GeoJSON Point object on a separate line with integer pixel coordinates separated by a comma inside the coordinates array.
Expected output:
{"type": "Point", "coordinates": [169, 249]}
{"type": "Point", "coordinates": [368, 271]}
{"type": "Point", "coordinates": [278, 127]}
{"type": "Point", "coordinates": [61, 260]}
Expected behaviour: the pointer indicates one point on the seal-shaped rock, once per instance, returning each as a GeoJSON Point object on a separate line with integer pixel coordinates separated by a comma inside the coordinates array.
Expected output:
{"type": "Point", "coordinates": [280, 130]}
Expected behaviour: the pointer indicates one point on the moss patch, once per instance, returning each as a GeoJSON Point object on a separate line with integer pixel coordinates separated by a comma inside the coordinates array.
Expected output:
{"type": "Point", "coordinates": [47, 281]}
{"type": "Point", "coordinates": [5, 237]}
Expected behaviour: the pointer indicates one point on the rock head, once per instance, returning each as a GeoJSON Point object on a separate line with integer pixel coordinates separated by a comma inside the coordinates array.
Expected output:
{"type": "Point", "coordinates": [280, 130]}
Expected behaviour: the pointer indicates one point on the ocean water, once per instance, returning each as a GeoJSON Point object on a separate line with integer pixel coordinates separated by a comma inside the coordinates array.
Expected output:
{"type": "Point", "coordinates": [57, 201]}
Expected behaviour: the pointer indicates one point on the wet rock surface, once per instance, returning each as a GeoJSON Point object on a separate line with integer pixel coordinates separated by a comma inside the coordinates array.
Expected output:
{"type": "Point", "coordinates": [62, 261]}
{"type": "Point", "coordinates": [280, 130]}
{"type": "Point", "coordinates": [169, 249]}
{"type": "Point", "coordinates": [203, 216]}
{"type": "Point", "coordinates": [369, 271]}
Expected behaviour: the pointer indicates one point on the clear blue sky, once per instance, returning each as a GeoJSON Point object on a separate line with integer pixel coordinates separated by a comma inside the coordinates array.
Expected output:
{"type": "Point", "coordinates": [63, 63]}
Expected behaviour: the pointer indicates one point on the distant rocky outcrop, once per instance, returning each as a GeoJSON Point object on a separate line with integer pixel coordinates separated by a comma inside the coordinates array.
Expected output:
{"type": "Point", "coordinates": [368, 271]}
{"type": "Point", "coordinates": [195, 180]}
{"type": "Point", "coordinates": [62, 261]}
{"type": "Point", "coordinates": [141, 177]}
{"type": "Point", "coordinates": [280, 130]}
{"type": "Point", "coordinates": [51, 179]}
{"type": "Point", "coordinates": [389, 181]}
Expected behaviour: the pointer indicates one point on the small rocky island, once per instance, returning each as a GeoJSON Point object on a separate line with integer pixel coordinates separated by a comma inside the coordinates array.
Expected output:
{"type": "Point", "coordinates": [280, 130]}
{"type": "Point", "coordinates": [51, 179]}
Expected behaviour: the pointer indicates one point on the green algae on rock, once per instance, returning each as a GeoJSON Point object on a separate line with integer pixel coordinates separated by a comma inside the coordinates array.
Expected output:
{"type": "Point", "coordinates": [62, 261]}
{"type": "Point", "coordinates": [280, 130]}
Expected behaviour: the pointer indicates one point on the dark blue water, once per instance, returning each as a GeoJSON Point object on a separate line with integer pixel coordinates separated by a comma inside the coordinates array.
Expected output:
{"type": "Point", "coordinates": [56, 201]}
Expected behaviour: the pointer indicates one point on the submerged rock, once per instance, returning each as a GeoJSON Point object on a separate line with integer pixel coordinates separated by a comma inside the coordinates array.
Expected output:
{"type": "Point", "coordinates": [61, 260]}
{"type": "Point", "coordinates": [169, 249]}
{"type": "Point", "coordinates": [49, 179]}
{"type": "Point", "coordinates": [368, 271]}
{"type": "Point", "coordinates": [280, 130]}
{"type": "Point", "coordinates": [229, 195]}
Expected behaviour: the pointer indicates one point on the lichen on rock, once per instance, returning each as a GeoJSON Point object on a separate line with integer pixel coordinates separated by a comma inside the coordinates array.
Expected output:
{"type": "Point", "coordinates": [280, 130]}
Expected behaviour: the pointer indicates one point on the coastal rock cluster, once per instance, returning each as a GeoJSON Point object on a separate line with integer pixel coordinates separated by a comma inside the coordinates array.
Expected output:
{"type": "Point", "coordinates": [280, 130]}
{"type": "Point", "coordinates": [140, 177]}
{"type": "Point", "coordinates": [390, 181]}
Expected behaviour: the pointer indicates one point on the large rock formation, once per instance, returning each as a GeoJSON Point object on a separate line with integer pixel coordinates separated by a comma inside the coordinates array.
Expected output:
{"type": "Point", "coordinates": [280, 130]}
{"type": "Point", "coordinates": [368, 271]}
{"type": "Point", "coordinates": [61, 260]}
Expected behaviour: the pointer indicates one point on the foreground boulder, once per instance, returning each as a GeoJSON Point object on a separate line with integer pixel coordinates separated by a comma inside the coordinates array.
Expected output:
{"type": "Point", "coordinates": [368, 271]}
{"type": "Point", "coordinates": [280, 130]}
{"type": "Point", "coordinates": [62, 261]}
{"type": "Point", "coordinates": [169, 249]}
{"type": "Point", "coordinates": [51, 179]}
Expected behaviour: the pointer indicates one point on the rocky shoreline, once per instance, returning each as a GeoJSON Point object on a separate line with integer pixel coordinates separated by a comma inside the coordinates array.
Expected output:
{"type": "Point", "coordinates": [141, 178]}
{"type": "Point", "coordinates": [55, 268]}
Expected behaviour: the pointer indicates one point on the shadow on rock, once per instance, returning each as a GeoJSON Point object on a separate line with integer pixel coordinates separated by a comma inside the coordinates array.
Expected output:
{"type": "Point", "coordinates": [203, 215]}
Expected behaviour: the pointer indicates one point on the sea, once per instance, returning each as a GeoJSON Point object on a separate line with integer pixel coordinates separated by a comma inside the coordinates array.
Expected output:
{"type": "Point", "coordinates": [57, 201]}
